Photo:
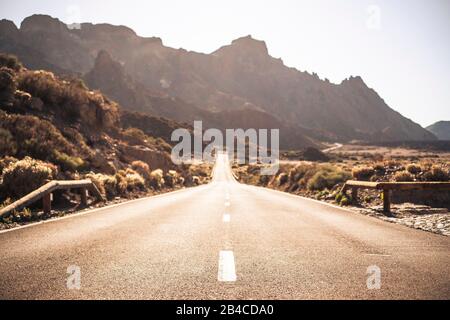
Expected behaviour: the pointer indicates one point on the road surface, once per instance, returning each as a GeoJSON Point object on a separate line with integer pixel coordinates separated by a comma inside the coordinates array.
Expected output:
{"type": "Point", "coordinates": [223, 240]}
{"type": "Point", "coordinates": [335, 147]}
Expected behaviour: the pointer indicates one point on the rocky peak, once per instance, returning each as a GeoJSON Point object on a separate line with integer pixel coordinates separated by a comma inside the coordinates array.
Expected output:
{"type": "Point", "coordinates": [246, 45]}
{"type": "Point", "coordinates": [8, 29]}
{"type": "Point", "coordinates": [250, 44]}
{"type": "Point", "coordinates": [105, 64]}
{"type": "Point", "coordinates": [42, 23]}
{"type": "Point", "coordinates": [103, 58]}
{"type": "Point", "coordinates": [354, 81]}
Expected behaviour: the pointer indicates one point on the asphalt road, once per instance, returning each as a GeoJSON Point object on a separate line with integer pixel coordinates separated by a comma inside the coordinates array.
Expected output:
{"type": "Point", "coordinates": [223, 240]}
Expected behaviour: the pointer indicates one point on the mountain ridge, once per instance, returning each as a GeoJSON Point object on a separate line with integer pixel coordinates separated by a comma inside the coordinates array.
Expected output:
{"type": "Point", "coordinates": [238, 76]}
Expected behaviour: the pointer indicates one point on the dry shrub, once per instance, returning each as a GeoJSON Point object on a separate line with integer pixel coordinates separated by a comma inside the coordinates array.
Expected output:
{"type": "Point", "coordinates": [106, 184]}
{"type": "Point", "coordinates": [392, 164]}
{"type": "Point", "coordinates": [42, 84]}
{"type": "Point", "coordinates": [69, 98]}
{"type": "Point", "coordinates": [413, 168]}
{"type": "Point", "coordinates": [134, 181]}
{"type": "Point", "coordinates": [171, 178]}
{"type": "Point", "coordinates": [26, 175]}
{"type": "Point", "coordinates": [196, 180]}
{"type": "Point", "coordinates": [35, 137]}
{"type": "Point", "coordinates": [379, 168]}
{"type": "Point", "coordinates": [8, 86]}
{"type": "Point", "coordinates": [403, 176]}
{"type": "Point", "coordinates": [10, 61]}
{"type": "Point", "coordinates": [135, 136]}
{"type": "Point", "coordinates": [143, 169]}
{"type": "Point", "coordinates": [121, 184]}
{"type": "Point", "coordinates": [282, 179]}
{"type": "Point", "coordinates": [8, 145]}
{"type": "Point", "coordinates": [363, 173]}
{"type": "Point", "coordinates": [97, 180]}
{"type": "Point", "coordinates": [299, 172]}
{"type": "Point", "coordinates": [5, 162]}
{"type": "Point", "coordinates": [436, 173]}
{"type": "Point", "coordinates": [157, 179]}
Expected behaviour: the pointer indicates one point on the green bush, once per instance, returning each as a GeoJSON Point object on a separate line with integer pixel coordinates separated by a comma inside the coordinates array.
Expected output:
{"type": "Point", "coordinates": [24, 176]}
{"type": "Point", "coordinates": [345, 201]}
{"type": "Point", "coordinates": [327, 177]}
{"type": "Point", "coordinates": [338, 197]}
{"type": "Point", "coordinates": [68, 163]}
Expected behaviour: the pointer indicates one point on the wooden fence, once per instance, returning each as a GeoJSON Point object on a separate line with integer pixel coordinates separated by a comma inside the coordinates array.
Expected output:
{"type": "Point", "coordinates": [387, 187]}
{"type": "Point", "coordinates": [45, 193]}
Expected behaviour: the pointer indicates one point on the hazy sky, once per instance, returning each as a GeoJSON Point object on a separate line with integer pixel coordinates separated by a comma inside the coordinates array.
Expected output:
{"type": "Point", "coordinates": [400, 48]}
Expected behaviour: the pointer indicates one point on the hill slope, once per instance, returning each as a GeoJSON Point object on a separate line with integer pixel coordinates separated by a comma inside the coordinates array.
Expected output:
{"type": "Point", "coordinates": [440, 129]}
{"type": "Point", "coordinates": [57, 128]}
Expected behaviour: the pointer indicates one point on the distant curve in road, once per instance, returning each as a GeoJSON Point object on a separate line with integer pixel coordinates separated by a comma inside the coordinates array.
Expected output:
{"type": "Point", "coordinates": [223, 240]}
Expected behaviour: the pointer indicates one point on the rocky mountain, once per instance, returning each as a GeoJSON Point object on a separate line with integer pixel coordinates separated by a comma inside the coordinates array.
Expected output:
{"type": "Point", "coordinates": [110, 77]}
{"type": "Point", "coordinates": [440, 129]}
{"type": "Point", "coordinates": [238, 81]}
{"type": "Point", "coordinates": [60, 120]}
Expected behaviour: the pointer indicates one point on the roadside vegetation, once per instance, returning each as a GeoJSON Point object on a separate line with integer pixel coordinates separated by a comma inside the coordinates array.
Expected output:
{"type": "Point", "coordinates": [323, 179]}
{"type": "Point", "coordinates": [56, 128]}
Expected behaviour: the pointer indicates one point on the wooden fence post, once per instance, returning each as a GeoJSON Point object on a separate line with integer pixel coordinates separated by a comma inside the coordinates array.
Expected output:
{"type": "Point", "coordinates": [386, 200]}
{"type": "Point", "coordinates": [354, 194]}
{"type": "Point", "coordinates": [84, 196]}
{"type": "Point", "coordinates": [47, 203]}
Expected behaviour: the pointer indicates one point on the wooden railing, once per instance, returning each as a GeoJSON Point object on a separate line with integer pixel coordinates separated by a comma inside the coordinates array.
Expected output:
{"type": "Point", "coordinates": [45, 193]}
{"type": "Point", "coordinates": [387, 187]}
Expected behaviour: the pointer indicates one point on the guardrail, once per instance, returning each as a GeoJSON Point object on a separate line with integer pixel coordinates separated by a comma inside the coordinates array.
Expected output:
{"type": "Point", "coordinates": [387, 187]}
{"type": "Point", "coordinates": [45, 193]}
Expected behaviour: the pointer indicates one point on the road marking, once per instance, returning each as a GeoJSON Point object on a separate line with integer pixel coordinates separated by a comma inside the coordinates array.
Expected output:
{"type": "Point", "coordinates": [227, 271]}
{"type": "Point", "coordinates": [377, 254]}
{"type": "Point", "coordinates": [226, 217]}
{"type": "Point", "coordinates": [227, 203]}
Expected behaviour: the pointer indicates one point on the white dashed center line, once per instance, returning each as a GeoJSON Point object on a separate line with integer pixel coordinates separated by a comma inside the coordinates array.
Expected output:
{"type": "Point", "coordinates": [227, 271]}
{"type": "Point", "coordinates": [227, 203]}
{"type": "Point", "coordinates": [226, 217]}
